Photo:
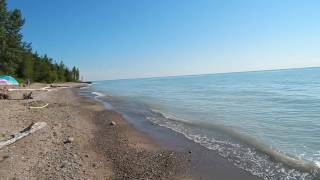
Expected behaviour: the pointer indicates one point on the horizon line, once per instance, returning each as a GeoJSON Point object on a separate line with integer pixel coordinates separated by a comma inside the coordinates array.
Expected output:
{"type": "Point", "coordinates": [203, 74]}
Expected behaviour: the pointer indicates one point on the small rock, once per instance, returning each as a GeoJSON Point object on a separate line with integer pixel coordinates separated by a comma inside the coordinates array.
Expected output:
{"type": "Point", "coordinates": [94, 165]}
{"type": "Point", "coordinates": [4, 158]}
{"type": "Point", "coordinates": [112, 123]}
{"type": "Point", "coordinates": [69, 140]}
{"type": "Point", "coordinates": [4, 96]}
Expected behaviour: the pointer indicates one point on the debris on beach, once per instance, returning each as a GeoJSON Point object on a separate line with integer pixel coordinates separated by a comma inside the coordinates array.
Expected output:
{"type": "Point", "coordinates": [25, 132]}
{"type": "Point", "coordinates": [58, 86]}
{"type": "Point", "coordinates": [112, 123]}
{"type": "Point", "coordinates": [68, 140]}
{"type": "Point", "coordinates": [37, 104]}
{"type": "Point", "coordinates": [4, 96]}
{"type": "Point", "coordinates": [39, 107]}
{"type": "Point", "coordinates": [3, 158]}
{"type": "Point", "coordinates": [27, 95]}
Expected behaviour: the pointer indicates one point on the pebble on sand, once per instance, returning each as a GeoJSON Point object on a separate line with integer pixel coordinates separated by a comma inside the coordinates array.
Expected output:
{"type": "Point", "coordinates": [69, 140]}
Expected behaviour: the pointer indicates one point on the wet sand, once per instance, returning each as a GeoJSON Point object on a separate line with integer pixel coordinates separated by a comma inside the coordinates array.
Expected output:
{"type": "Point", "coordinates": [202, 163]}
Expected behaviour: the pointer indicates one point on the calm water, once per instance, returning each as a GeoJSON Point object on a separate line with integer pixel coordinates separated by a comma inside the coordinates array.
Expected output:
{"type": "Point", "coordinates": [266, 122]}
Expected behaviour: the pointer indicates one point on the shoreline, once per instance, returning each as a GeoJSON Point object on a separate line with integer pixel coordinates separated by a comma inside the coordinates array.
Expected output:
{"type": "Point", "coordinates": [79, 142]}
{"type": "Point", "coordinates": [133, 154]}
{"type": "Point", "coordinates": [166, 104]}
{"type": "Point", "coordinates": [204, 163]}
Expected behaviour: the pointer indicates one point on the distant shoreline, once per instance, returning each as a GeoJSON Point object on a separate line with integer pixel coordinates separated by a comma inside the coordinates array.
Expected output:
{"type": "Point", "coordinates": [217, 73]}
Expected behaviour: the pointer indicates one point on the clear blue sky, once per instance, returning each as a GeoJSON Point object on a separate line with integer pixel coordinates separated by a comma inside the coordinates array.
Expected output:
{"type": "Point", "coordinates": [110, 39]}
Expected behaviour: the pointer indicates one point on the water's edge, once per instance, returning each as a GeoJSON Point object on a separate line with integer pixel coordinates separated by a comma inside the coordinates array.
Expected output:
{"type": "Point", "coordinates": [244, 152]}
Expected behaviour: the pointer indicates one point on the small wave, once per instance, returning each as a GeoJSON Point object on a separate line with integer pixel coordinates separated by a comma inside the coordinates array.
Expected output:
{"type": "Point", "coordinates": [250, 155]}
{"type": "Point", "coordinates": [245, 152]}
{"type": "Point", "coordinates": [84, 87]}
{"type": "Point", "coordinates": [168, 116]}
{"type": "Point", "coordinates": [289, 160]}
{"type": "Point", "coordinates": [98, 94]}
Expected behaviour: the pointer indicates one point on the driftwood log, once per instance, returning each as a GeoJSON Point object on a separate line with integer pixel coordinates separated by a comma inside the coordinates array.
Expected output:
{"type": "Point", "coordinates": [41, 89]}
{"type": "Point", "coordinates": [27, 95]}
{"type": "Point", "coordinates": [40, 107]}
{"type": "Point", "coordinates": [25, 132]}
{"type": "Point", "coordinates": [4, 96]}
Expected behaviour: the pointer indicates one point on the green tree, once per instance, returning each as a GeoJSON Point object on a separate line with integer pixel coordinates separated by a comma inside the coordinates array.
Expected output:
{"type": "Point", "coordinates": [74, 73]}
{"type": "Point", "coordinates": [3, 18]}
{"type": "Point", "coordinates": [68, 74]}
{"type": "Point", "coordinates": [61, 72]}
{"type": "Point", "coordinates": [77, 74]}
{"type": "Point", "coordinates": [27, 67]}
{"type": "Point", "coordinates": [12, 50]}
{"type": "Point", "coordinates": [17, 57]}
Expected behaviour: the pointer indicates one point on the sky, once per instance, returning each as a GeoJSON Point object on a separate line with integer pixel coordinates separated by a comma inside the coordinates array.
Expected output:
{"type": "Point", "coordinates": [116, 39]}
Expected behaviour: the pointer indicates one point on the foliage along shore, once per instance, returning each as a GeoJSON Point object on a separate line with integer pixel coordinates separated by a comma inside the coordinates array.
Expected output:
{"type": "Point", "coordinates": [18, 59]}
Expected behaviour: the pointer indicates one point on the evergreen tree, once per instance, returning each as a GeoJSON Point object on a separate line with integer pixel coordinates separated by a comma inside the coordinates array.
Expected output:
{"type": "Point", "coordinates": [12, 43]}
{"type": "Point", "coordinates": [18, 59]}
{"type": "Point", "coordinates": [61, 72]}
{"type": "Point", "coordinates": [3, 22]}
{"type": "Point", "coordinates": [77, 74]}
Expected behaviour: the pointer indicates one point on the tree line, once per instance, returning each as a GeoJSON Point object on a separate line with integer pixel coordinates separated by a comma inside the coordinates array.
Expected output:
{"type": "Point", "coordinates": [18, 59]}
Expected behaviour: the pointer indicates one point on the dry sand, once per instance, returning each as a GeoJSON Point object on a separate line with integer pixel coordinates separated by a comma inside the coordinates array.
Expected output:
{"type": "Point", "coordinates": [79, 142]}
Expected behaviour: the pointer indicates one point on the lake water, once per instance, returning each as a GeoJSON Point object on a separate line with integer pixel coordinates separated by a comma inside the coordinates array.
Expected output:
{"type": "Point", "coordinates": [265, 122]}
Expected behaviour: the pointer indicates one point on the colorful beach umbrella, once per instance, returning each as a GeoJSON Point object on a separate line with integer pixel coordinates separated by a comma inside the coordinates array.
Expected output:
{"type": "Point", "coordinates": [8, 80]}
{"type": "Point", "coordinates": [3, 82]}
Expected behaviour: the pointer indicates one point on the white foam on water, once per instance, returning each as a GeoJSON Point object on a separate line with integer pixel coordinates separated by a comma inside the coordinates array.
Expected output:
{"type": "Point", "coordinates": [98, 94]}
{"type": "Point", "coordinates": [84, 87]}
{"type": "Point", "coordinates": [246, 157]}
{"type": "Point", "coordinates": [250, 159]}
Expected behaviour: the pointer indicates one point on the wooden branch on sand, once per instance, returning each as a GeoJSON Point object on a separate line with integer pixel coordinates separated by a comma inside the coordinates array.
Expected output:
{"type": "Point", "coordinates": [4, 96]}
{"type": "Point", "coordinates": [25, 132]}
{"type": "Point", "coordinates": [48, 88]}
{"type": "Point", "coordinates": [41, 89]}
{"type": "Point", "coordinates": [32, 107]}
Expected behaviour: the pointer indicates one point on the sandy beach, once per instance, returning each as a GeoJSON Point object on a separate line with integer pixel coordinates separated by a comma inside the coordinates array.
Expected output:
{"type": "Point", "coordinates": [161, 90]}
{"type": "Point", "coordinates": [98, 150]}
{"type": "Point", "coordinates": [84, 140]}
